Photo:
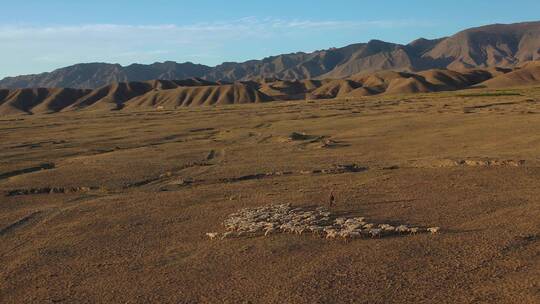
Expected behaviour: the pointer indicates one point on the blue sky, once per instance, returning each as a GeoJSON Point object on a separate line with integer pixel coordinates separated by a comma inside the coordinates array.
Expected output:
{"type": "Point", "coordinates": [40, 36]}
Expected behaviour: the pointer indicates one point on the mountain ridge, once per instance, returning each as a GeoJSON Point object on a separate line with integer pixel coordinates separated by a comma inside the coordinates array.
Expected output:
{"type": "Point", "coordinates": [168, 94]}
{"type": "Point", "coordinates": [496, 45]}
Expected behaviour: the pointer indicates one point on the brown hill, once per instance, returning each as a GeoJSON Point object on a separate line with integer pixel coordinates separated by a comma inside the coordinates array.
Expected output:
{"type": "Point", "coordinates": [529, 74]}
{"type": "Point", "coordinates": [111, 97]}
{"type": "Point", "coordinates": [169, 94]}
{"type": "Point", "coordinates": [435, 80]}
{"type": "Point", "coordinates": [162, 84]}
{"type": "Point", "coordinates": [95, 75]}
{"type": "Point", "coordinates": [392, 82]}
{"type": "Point", "coordinates": [378, 79]}
{"type": "Point", "coordinates": [499, 45]}
{"type": "Point", "coordinates": [289, 90]}
{"type": "Point", "coordinates": [374, 56]}
{"type": "Point", "coordinates": [361, 92]}
{"type": "Point", "coordinates": [503, 45]}
{"type": "Point", "coordinates": [446, 80]}
{"type": "Point", "coordinates": [42, 100]}
{"type": "Point", "coordinates": [409, 85]}
{"type": "Point", "coordinates": [199, 96]}
{"type": "Point", "coordinates": [335, 88]}
{"type": "Point", "coordinates": [59, 99]}
{"type": "Point", "coordinates": [115, 96]}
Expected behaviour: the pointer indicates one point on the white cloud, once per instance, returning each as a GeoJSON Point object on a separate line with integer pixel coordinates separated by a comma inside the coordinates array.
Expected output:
{"type": "Point", "coordinates": [238, 27]}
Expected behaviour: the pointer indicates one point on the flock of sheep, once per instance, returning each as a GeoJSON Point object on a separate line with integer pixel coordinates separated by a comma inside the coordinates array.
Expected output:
{"type": "Point", "coordinates": [284, 218]}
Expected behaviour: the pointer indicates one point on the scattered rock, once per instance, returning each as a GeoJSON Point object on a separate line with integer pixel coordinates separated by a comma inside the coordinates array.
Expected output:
{"type": "Point", "coordinates": [299, 136]}
{"type": "Point", "coordinates": [201, 129]}
{"type": "Point", "coordinates": [211, 155]}
{"type": "Point", "coordinates": [44, 166]}
{"type": "Point", "coordinates": [330, 143]}
{"type": "Point", "coordinates": [49, 190]}
{"type": "Point", "coordinates": [472, 162]}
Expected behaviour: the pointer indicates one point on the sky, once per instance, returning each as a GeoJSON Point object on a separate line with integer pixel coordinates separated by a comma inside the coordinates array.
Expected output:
{"type": "Point", "coordinates": [38, 36]}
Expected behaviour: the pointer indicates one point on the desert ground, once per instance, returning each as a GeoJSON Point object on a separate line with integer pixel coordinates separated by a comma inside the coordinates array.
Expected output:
{"type": "Point", "coordinates": [102, 207]}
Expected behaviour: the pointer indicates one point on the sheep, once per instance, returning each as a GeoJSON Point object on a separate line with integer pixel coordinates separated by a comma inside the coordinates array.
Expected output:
{"type": "Point", "coordinates": [325, 219]}
{"type": "Point", "coordinates": [330, 233]}
{"type": "Point", "coordinates": [347, 234]}
{"type": "Point", "coordinates": [387, 227]}
{"type": "Point", "coordinates": [286, 227]}
{"type": "Point", "coordinates": [316, 229]}
{"type": "Point", "coordinates": [340, 221]}
{"type": "Point", "coordinates": [343, 234]}
{"type": "Point", "coordinates": [299, 230]}
{"type": "Point", "coordinates": [254, 229]}
{"type": "Point", "coordinates": [212, 235]}
{"type": "Point", "coordinates": [231, 227]}
{"type": "Point", "coordinates": [283, 218]}
{"type": "Point", "coordinates": [433, 230]}
{"type": "Point", "coordinates": [269, 225]}
{"type": "Point", "coordinates": [269, 231]}
{"type": "Point", "coordinates": [353, 226]}
{"type": "Point", "coordinates": [402, 229]}
{"type": "Point", "coordinates": [375, 232]}
{"type": "Point", "coordinates": [364, 232]}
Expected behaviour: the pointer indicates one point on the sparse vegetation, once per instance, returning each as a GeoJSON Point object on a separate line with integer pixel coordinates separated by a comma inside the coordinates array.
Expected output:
{"type": "Point", "coordinates": [490, 94]}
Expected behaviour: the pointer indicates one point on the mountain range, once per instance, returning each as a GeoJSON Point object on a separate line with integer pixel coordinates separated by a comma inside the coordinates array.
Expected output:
{"type": "Point", "coordinates": [497, 45]}
{"type": "Point", "coordinates": [172, 94]}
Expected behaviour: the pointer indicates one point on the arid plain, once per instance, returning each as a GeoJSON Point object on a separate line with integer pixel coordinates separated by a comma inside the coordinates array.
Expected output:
{"type": "Point", "coordinates": [114, 206]}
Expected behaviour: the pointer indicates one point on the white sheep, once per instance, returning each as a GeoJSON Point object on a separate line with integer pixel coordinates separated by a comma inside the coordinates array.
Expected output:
{"type": "Point", "coordinates": [354, 234]}
{"type": "Point", "coordinates": [286, 227]}
{"type": "Point", "coordinates": [316, 229]}
{"type": "Point", "coordinates": [353, 226]}
{"type": "Point", "coordinates": [375, 232]}
{"type": "Point", "coordinates": [433, 230]}
{"type": "Point", "coordinates": [344, 234]}
{"type": "Point", "coordinates": [212, 235]}
{"type": "Point", "coordinates": [414, 230]}
{"type": "Point", "coordinates": [340, 221]}
{"type": "Point", "coordinates": [402, 229]}
{"type": "Point", "coordinates": [282, 218]}
{"type": "Point", "coordinates": [269, 231]}
{"type": "Point", "coordinates": [330, 234]}
{"type": "Point", "coordinates": [369, 226]}
{"type": "Point", "coordinates": [299, 230]}
{"type": "Point", "coordinates": [387, 227]}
